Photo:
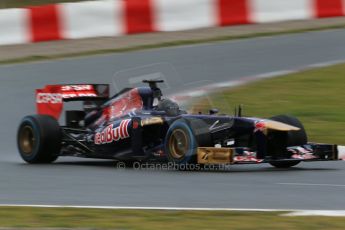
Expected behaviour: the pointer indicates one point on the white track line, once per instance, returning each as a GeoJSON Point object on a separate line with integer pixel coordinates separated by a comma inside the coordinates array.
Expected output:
{"type": "Point", "coordinates": [274, 74]}
{"type": "Point", "coordinates": [308, 184]}
{"type": "Point", "coordinates": [316, 213]}
{"type": "Point", "coordinates": [145, 208]}
{"type": "Point", "coordinates": [292, 212]}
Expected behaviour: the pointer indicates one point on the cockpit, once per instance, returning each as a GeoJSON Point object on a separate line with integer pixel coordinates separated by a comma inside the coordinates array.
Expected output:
{"type": "Point", "coordinates": [132, 100]}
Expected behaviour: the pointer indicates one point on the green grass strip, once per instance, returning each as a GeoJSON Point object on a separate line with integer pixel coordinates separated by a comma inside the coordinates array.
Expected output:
{"type": "Point", "coordinates": [22, 217]}
{"type": "Point", "coordinates": [315, 96]}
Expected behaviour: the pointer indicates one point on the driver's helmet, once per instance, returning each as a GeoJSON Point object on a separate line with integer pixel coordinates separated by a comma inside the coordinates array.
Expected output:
{"type": "Point", "coordinates": [170, 107]}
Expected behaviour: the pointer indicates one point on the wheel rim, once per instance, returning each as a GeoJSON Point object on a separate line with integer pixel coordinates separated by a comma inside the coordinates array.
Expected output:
{"type": "Point", "coordinates": [27, 140]}
{"type": "Point", "coordinates": [178, 144]}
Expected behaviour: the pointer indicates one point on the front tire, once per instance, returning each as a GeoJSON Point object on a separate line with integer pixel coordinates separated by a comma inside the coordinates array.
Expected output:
{"type": "Point", "coordinates": [278, 141]}
{"type": "Point", "coordinates": [39, 139]}
{"type": "Point", "coordinates": [180, 143]}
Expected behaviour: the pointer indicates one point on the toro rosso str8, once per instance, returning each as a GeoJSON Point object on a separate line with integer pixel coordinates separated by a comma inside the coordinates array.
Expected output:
{"type": "Point", "coordinates": [138, 124]}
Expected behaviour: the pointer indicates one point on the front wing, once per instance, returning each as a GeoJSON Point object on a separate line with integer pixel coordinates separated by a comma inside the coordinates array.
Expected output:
{"type": "Point", "coordinates": [309, 152]}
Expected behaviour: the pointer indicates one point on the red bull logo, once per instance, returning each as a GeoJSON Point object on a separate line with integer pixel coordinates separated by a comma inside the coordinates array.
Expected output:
{"type": "Point", "coordinates": [110, 134]}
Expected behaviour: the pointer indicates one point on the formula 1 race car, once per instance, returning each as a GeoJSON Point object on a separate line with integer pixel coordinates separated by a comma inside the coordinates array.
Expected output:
{"type": "Point", "coordinates": [138, 124]}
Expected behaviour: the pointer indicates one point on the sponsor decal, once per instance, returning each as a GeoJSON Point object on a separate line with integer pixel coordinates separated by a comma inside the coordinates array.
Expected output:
{"type": "Point", "coordinates": [72, 91]}
{"type": "Point", "coordinates": [76, 87]}
{"type": "Point", "coordinates": [247, 156]}
{"type": "Point", "coordinates": [259, 126]}
{"type": "Point", "coordinates": [302, 153]}
{"type": "Point", "coordinates": [53, 98]}
{"type": "Point", "coordinates": [110, 134]}
{"type": "Point", "coordinates": [74, 95]}
{"type": "Point", "coordinates": [304, 157]}
{"type": "Point", "coordinates": [239, 159]}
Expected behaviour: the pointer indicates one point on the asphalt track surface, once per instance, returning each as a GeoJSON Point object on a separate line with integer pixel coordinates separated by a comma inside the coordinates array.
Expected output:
{"type": "Point", "coordinates": [91, 182]}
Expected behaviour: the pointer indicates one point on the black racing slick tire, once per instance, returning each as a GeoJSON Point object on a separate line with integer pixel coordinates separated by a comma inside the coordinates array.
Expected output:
{"type": "Point", "coordinates": [180, 143]}
{"type": "Point", "coordinates": [278, 141]}
{"type": "Point", "coordinates": [39, 139]}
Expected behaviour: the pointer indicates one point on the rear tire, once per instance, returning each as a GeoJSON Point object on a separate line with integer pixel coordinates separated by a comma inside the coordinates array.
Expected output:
{"type": "Point", "coordinates": [278, 141]}
{"type": "Point", "coordinates": [39, 139]}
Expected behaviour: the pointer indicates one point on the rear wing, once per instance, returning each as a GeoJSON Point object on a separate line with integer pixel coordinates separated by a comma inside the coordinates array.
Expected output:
{"type": "Point", "coordinates": [49, 100]}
